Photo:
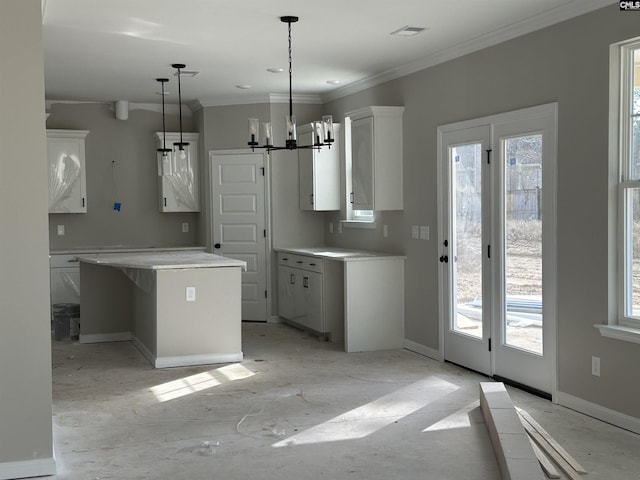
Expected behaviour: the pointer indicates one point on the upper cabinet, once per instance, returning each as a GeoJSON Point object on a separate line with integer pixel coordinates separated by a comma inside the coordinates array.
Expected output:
{"type": "Point", "coordinates": [178, 174]}
{"type": "Point", "coordinates": [67, 174]}
{"type": "Point", "coordinates": [319, 172]}
{"type": "Point", "coordinates": [376, 158]}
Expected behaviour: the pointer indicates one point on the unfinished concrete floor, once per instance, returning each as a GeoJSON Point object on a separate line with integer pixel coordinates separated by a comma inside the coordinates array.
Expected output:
{"type": "Point", "coordinates": [295, 408]}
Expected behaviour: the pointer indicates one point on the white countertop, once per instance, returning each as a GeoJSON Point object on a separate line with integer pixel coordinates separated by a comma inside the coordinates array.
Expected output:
{"type": "Point", "coordinates": [162, 260]}
{"type": "Point", "coordinates": [340, 254]}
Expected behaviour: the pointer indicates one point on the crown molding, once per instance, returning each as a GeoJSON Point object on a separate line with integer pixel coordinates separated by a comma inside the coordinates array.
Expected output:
{"type": "Point", "coordinates": [556, 15]}
{"type": "Point", "coordinates": [262, 98]}
{"type": "Point", "coordinates": [171, 108]}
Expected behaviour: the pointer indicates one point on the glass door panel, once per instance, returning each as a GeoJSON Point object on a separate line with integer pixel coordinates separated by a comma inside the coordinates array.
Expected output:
{"type": "Point", "coordinates": [523, 242]}
{"type": "Point", "coordinates": [466, 168]}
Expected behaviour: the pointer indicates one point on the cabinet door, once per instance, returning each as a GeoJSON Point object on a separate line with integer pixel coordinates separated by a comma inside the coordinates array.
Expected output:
{"type": "Point", "coordinates": [312, 292]}
{"type": "Point", "coordinates": [178, 192]}
{"type": "Point", "coordinates": [362, 164]}
{"type": "Point", "coordinates": [306, 173]}
{"type": "Point", "coordinates": [65, 285]}
{"type": "Point", "coordinates": [67, 174]}
{"type": "Point", "coordinates": [286, 290]}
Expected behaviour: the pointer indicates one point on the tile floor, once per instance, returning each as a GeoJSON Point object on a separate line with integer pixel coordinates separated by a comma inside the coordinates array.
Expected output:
{"type": "Point", "coordinates": [295, 408]}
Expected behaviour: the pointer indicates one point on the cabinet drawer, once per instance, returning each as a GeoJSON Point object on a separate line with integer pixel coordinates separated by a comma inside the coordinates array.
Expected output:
{"type": "Point", "coordinates": [60, 261]}
{"type": "Point", "coordinates": [303, 262]}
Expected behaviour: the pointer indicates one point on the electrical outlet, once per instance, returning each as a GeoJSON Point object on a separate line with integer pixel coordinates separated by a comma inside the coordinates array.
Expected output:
{"type": "Point", "coordinates": [191, 294]}
{"type": "Point", "coordinates": [339, 228]}
{"type": "Point", "coordinates": [415, 232]}
{"type": "Point", "coordinates": [385, 231]}
{"type": "Point", "coordinates": [60, 230]}
{"type": "Point", "coordinates": [330, 227]}
{"type": "Point", "coordinates": [185, 227]}
{"type": "Point", "coordinates": [595, 366]}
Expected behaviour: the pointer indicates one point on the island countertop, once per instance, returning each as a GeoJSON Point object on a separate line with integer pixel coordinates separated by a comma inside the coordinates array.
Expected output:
{"type": "Point", "coordinates": [162, 260]}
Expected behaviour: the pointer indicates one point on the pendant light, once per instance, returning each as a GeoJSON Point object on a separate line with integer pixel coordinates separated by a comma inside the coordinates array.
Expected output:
{"type": "Point", "coordinates": [323, 131]}
{"type": "Point", "coordinates": [164, 157]}
{"type": "Point", "coordinates": [181, 148]}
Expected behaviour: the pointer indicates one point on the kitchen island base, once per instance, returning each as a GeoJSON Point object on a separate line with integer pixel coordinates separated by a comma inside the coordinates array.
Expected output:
{"type": "Point", "coordinates": [174, 316]}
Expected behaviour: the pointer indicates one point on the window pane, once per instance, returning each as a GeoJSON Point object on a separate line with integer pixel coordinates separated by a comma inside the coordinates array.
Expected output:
{"type": "Point", "coordinates": [466, 168]}
{"type": "Point", "coordinates": [632, 234]}
{"type": "Point", "coordinates": [636, 83]}
{"type": "Point", "coordinates": [523, 242]}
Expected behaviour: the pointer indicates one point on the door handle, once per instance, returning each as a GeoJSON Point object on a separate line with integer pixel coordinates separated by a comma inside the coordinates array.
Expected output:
{"type": "Point", "coordinates": [217, 245]}
{"type": "Point", "coordinates": [311, 198]}
{"type": "Point", "coordinates": [444, 259]}
{"type": "Point", "coordinates": [292, 279]}
{"type": "Point", "coordinates": [305, 282]}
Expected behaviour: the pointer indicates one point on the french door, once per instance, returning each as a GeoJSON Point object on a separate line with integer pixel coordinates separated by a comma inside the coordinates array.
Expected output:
{"type": "Point", "coordinates": [497, 245]}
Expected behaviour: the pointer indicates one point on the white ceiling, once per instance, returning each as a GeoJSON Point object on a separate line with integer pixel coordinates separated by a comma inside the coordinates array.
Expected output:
{"type": "Point", "coordinates": [107, 50]}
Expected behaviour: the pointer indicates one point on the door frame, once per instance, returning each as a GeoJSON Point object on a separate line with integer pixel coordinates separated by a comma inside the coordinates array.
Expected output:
{"type": "Point", "coordinates": [549, 109]}
{"type": "Point", "coordinates": [209, 233]}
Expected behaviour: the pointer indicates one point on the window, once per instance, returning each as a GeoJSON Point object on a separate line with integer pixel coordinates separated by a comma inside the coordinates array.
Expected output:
{"type": "Point", "coordinates": [629, 208]}
{"type": "Point", "coordinates": [624, 160]}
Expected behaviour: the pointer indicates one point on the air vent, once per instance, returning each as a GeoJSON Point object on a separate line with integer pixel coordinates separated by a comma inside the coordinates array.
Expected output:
{"type": "Point", "coordinates": [408, 31]}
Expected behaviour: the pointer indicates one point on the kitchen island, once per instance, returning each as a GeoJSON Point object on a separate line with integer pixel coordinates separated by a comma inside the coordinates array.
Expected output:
{"type": "Point", "coordinates": [178, 308]}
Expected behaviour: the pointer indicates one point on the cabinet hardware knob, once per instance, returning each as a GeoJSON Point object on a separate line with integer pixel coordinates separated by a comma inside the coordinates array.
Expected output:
{"type": "Point", "coordinates": [217, 245]}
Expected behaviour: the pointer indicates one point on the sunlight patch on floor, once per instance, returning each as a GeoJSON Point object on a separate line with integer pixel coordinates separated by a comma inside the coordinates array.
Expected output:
{"type": "Point", "coordinates": [374, 416]}
{"type": "Point", "coordinates": [199, 382]}
{"type": "Point", "coordinates": [459, 419]}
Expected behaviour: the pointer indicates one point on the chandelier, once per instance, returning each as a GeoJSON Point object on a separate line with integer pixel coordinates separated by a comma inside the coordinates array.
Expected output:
{"type": "Point", "coordinates": [322, 131]}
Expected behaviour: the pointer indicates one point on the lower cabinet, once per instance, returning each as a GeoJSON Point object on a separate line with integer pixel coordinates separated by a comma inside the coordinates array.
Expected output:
{"type": "Point", "coordinates": [310, 294]}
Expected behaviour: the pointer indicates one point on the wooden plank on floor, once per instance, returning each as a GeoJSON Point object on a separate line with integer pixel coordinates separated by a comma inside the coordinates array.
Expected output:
{"type": "Point", "coordinates": [571, 473]}
{"type": "Point", "coordinates": [546, 464]}
{"type": "Point", "coordinates": [558, 448]}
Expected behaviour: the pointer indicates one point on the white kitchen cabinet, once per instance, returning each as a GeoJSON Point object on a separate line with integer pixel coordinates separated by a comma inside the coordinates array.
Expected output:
{"type": "Point", "coordinates": [178, 188]}
{"type": "Point", "coordinates": [376, 158]}
{"type": "Point", "coordinates": [67, 171]}
{"type": "Point", "coordinates": [310, 294]}
{"type": "Point", "coordinates": [65, 279]}
{"type": "Point", "coordinates": [319, 172]}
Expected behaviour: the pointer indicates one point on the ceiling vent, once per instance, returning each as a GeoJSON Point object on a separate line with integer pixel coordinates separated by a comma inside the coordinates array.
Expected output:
{"type": "Point", "coordinates": [408, 31]}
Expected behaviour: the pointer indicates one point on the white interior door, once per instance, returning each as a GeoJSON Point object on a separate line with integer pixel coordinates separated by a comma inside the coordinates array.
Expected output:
{"type": "Point", "coordinates": [497, 251]}
{"type": "Point", "coordinates": [239, 222]}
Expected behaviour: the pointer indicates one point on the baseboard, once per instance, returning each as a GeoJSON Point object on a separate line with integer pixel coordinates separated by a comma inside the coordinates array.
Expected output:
{"type": "Point", "coordinates": [189, 360]}
{"type": "Point", "coordinates": [422, 350]}
{"type": "Point", "coordinates": [275, 319]}
{"type": "Point", "coordinates": [601, 413]}
{"type": "Point", "coordinates": [29, 468]}
{"type": "Point", "coordinates": [142, 348]}
{"type": "Point", "coordinates": [105, 337]}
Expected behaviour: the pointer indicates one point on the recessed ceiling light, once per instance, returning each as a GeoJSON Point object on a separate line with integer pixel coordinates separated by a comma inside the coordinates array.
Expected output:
{"type": "Point", "coordinates": [275, 70]}
{"type": "Point", "coordinates": [244, 87]}
{"type": "Point", "coordinates": [408, 31]}
{"type": "Point", "coordinates": [333, 82]}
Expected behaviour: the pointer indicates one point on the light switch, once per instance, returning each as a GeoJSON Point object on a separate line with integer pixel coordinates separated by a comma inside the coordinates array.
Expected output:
{"type": "Point", "coordinates": [415, 232]}
{"type": "Point", "coordinates": [60, 230]}
{"type": "Point", "coordinates": [191, 294]}
{"type": "Point", "coordinates": [424, 232]}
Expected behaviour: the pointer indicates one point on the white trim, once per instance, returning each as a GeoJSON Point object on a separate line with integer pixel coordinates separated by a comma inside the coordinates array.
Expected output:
{"type": "Point", "coordinates": [153, 107]}
{"type": "Point", "coordinates": [105, 337]}
{"type": "Point", "coordinates": [275, 319]}
{"type": "Point", "coordinates": [627, 334]}
{"type": "Point", "coordinates": [28, 468]}
{"type": "Point", "coordinates": [599, 412]}
{"type": "Point", "coordinates": [205, 359]}
{"type": "Point", "coordinates": [537, 22]}
{"type": "Point", "coordinates": [269, 98]}
{"type": "Point", "coordinates": [423, 350]}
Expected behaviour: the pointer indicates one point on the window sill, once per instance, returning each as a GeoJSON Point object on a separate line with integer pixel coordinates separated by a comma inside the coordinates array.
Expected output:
{"type": "Point", "coordinates": [617, 332]}
{"type": "Point", "coordinates": [358, 224]}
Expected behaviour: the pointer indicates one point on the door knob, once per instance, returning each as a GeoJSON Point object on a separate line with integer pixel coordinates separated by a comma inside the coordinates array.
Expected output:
{"type": "Point", "coordinates": [217, 245]}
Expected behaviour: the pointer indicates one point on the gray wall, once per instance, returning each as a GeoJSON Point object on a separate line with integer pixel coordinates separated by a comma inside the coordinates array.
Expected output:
{"type": "Point", "coordinates": [567, 63]}
{"type": "Point", "coordinates": [121, 166]}
{"type": "Point", "coordinates": [25, 348]}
